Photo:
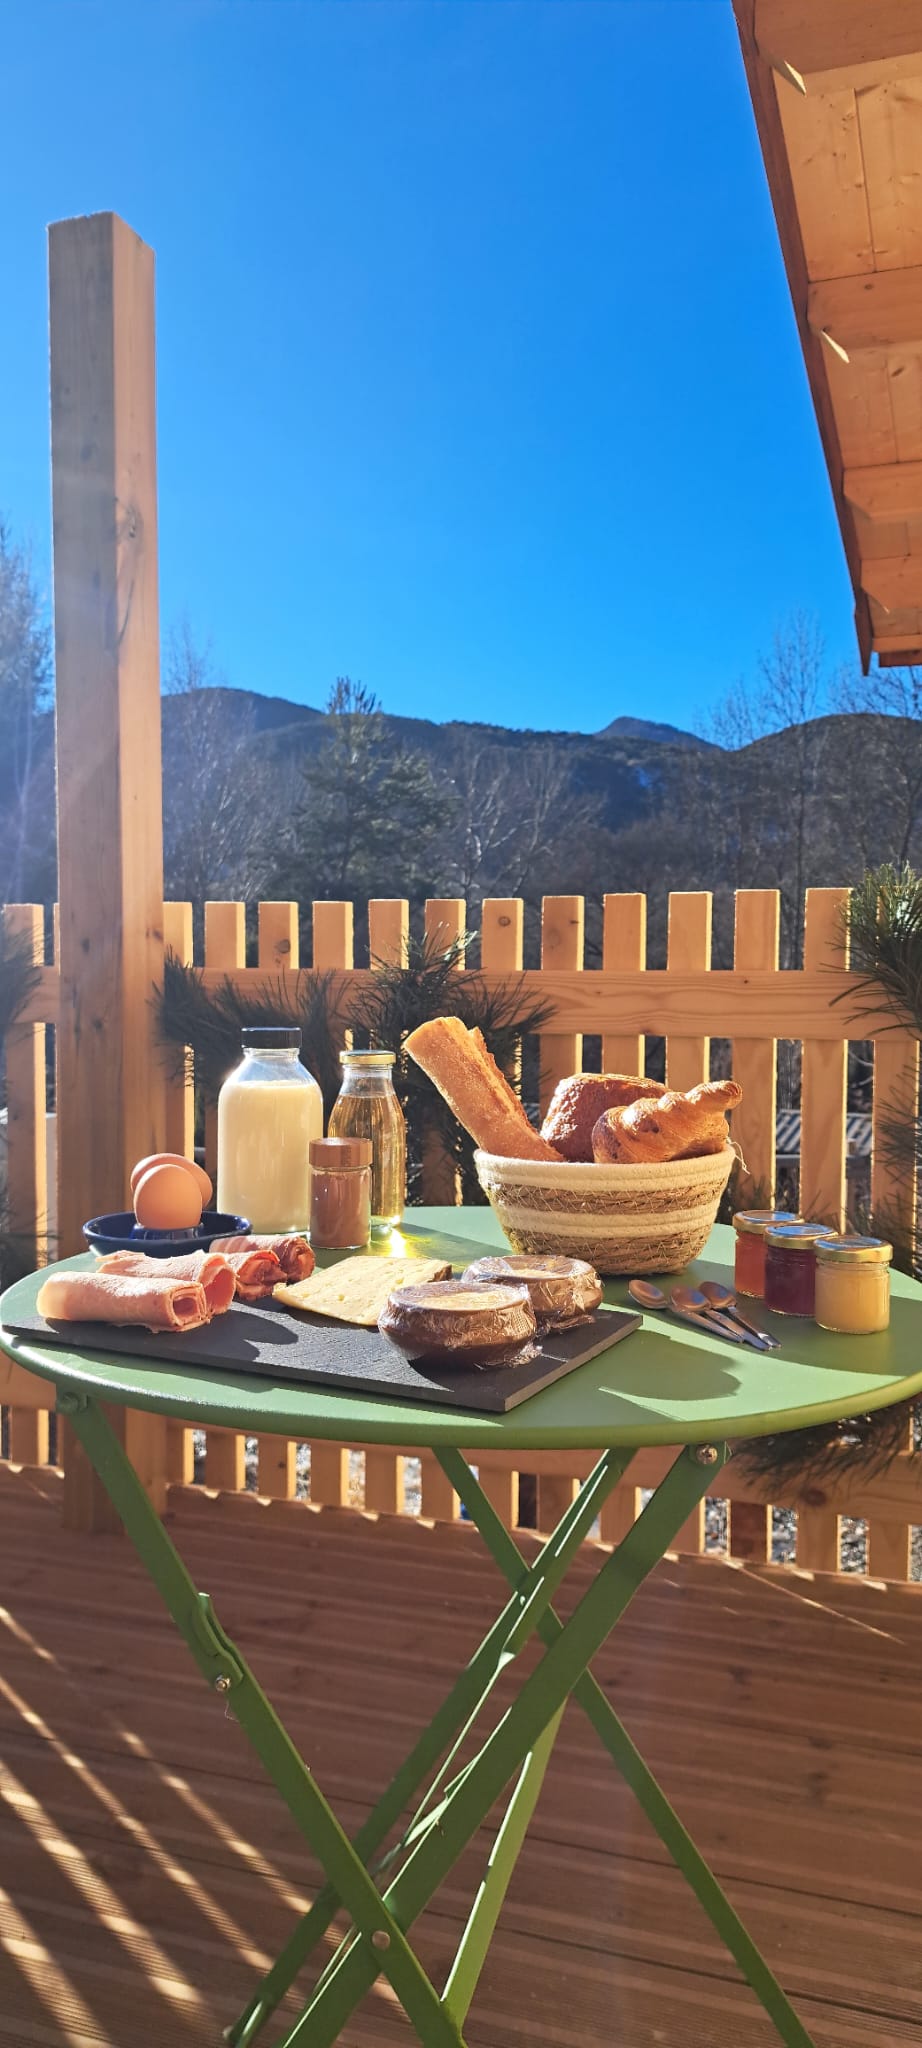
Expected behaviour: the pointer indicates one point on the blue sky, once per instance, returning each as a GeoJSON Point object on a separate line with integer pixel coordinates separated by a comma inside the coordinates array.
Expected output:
{"type": "Point", "coordinates": [478, 376]}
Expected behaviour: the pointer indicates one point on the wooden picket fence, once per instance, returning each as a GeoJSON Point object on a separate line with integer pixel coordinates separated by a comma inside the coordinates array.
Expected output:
{"type": "Point", "coordinates": [620, 1004]}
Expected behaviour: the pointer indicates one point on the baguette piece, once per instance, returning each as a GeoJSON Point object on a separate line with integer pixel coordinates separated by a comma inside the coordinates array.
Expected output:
{"type": "Point", "coordinates": [355, 1290]}
{"type": "Point", "coordinates": [673, 1127]}
{"type": "Point", "coordinates": [463, 1070]}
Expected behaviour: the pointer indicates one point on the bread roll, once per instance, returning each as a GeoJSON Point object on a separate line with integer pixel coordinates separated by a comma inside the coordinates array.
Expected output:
{"type": "Point", "coordinates": [578, 1102]}
{"type": "Point", "coordinates": [673, 1127]}
{"type": "Point", "coordinates": [448, 1322]}
{"type": "Point", "coordinates": [483, 1101]}
{"type": "Point", "coordinates": [563, 1291]}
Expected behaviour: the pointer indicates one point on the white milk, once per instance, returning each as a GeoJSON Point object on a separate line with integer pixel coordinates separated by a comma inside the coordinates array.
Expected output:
{"type": "Point", "coordinates": [269, 1109]}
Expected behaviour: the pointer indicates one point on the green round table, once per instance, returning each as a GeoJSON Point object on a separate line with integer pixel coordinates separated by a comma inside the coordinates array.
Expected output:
{"type": "Point", "coordinates": [665, 1384]}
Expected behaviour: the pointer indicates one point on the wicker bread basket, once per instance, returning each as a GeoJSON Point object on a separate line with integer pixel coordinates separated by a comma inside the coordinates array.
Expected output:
{"type": "Point", "coordinates": [623, 1219]}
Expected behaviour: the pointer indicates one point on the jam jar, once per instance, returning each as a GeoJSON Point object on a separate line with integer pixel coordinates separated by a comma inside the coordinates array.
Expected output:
{"type": "Point", "coordinates": [750, 1226]}
{"type": "Point", "coordinates": [853, 1284]}
{"type": "Point", "coordinates": [790, 1266]}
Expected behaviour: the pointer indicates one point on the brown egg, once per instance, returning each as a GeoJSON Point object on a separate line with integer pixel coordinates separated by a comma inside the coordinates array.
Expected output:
{"type": "Point", "coordinates": [168, 1198]}
{"type": "Point", "coordinates": [174, 1159]}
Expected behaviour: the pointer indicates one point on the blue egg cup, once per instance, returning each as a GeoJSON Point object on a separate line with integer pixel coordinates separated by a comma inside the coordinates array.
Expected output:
{"type": "Point", "coordinates": [120, 1233]}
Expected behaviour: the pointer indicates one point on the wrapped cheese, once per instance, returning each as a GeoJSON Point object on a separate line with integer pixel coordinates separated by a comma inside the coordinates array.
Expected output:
{"type": "Point", "coordinates": [454, 1322]}
{"type": "Point", "coordinates": [563, 1292]}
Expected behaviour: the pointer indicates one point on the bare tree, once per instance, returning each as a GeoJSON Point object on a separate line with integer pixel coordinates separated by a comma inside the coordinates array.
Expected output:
{"type": "Point", "coordinates": [27, 832]}
{"type": "Point", "coordinates": [221, 794]}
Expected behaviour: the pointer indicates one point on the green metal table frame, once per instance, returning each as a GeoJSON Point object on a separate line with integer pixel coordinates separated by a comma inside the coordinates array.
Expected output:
{"type": "Point", "coordinates": [437, 1806]}
{"type": "Point", "coordinates": [669, 1385]}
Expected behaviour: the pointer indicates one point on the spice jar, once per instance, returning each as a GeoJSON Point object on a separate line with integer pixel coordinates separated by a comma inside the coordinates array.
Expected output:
{"type": "Point", "coordinates": [750, 1226]}
{"type": "Point", "coordinates": [790, 1266]}
{"type": "Point", "coordinates": [853, 1285]}
{"type": "Point", "coordinates": [340, 1193]}
{"type": "Point", "coordinates": [367, 1107]}
{"type": "Point", "coordinates": [269, 1109]}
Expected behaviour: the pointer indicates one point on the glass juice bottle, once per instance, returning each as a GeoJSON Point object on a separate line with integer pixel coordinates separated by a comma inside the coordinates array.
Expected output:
{"type": "Point", "coordinates": [269, 1109]}
{"type": "Point", "coordinates": [367, 1107]}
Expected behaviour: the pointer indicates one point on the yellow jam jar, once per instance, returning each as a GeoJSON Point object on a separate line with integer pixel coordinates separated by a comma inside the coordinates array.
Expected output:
{"type": "Point", "coordinates": [853, 1285]}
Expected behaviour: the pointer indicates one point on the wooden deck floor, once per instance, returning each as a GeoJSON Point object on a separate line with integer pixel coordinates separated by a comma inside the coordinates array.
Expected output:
{"type": "Point", "coordinates": [147, 1871]}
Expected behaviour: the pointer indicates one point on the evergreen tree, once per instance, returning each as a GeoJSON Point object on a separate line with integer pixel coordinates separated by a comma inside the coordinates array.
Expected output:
{"type": "Point", "coordinates": [371, 812]}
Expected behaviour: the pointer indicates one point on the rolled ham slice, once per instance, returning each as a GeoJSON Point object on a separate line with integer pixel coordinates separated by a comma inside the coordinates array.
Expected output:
{"type": "Point", "coordinates": [155, 1303]}
{"type": "Point", "coordinates": [256, 1272]}
{"type": "Point", "coordinates": [210, 1269]}
{"type": "Point", "coordinates": [293, 1253]}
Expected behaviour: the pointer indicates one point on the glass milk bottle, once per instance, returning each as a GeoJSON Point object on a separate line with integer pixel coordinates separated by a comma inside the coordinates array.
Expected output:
{"type": "Point", "coordinates": [367, 1107]}
{"type": "Point", "coordinates": [269, 1109]}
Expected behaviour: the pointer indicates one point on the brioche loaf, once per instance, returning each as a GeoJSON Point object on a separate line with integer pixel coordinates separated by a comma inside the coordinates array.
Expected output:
{"type": "Point", "coordinates": [563, 1291]}
{"type": "Point", "coordinates": [457, 1060]}
{"type": "Point", "coordinates": [451, 1323]}
{"type": "Point", "coordinates": [578, 1102]}
{"type": "Point", "coordinates": [673, 1127]}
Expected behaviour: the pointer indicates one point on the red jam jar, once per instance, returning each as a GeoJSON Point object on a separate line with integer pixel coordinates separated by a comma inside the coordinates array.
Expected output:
{"type": "Point", "coordinates": [750, 1226]}
{"type": "Point", "coordinates": [790, 1266]}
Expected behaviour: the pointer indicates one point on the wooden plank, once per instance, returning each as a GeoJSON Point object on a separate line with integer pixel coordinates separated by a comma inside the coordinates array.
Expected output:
{"type": "Point", "coordinates": [180, 1454]}
{"type": "Point", "coordinates": [768, 93]}
{"type": "Point", "coordinates": [835, 42]}
{"type": "Point", "coordinates": [690, 1539]}
{"type": "Point", "coordinates": [721, 1003]}
{"type": "Point", "coordinates": [619, 1513]}
{"type": "Point", "coordinates": [438, 1499]}
{"type": "Point", "coordinates": [225, 947]}
{"type": "Point", "coordinates": [750, 1531]}
{"type": "Point", "coordinates": [758, 913]}
{"type": "Point", "coordinates": [895, 582]}
{"type": "Point", "coordinates": [27, 1151]}
{"type": "Point", "coordinates": [388, 931]}
{"type": "Point", "coordinates": [225, 950]}
{"type": "Point", "coordinates": [894, 1189]}
{"type": "Point", "coordinates": [825, 1071]}
{"type": "Point", "coordinates": [383, 1482]}
{"type": "Point", "coordinates": [278, 947]}
{"type": "Point", "coordinates": [563, 923]}
{"type": "Point", "coordinates": [818, 1543]}
{"type": "Point", "coordinates": [888, 119]}
{"type": "Point", "coordinates": [278, 941]}
{"type": "Point", "coordinates": [44, 1005]}
{"type": "Point", "coordinates": [28, 1437]}
{"type": "Point", "coordinates": [502, 938]}
{"type": "Point", "coordinates": [878, 310]}
{"type": "Point", "coordinates": [502, 1491]}
{"type": "Point", "coordinates": [555, 1492]}
{"type": "Point", "coordinates": [333, 942]}
{"type": "Point", "coordinates": [110, 1097]}
{"type": "Point", "coordinates": [277, 1469]}
{"type": "Point", "coordinates": [180, 1094]}
{"type": "Point", "coordinates": [111, 1102]}
{"type": "Point", "coordinates": [445, 922]}
{"type": "Point", "coordinates": [624, 946]}
{"type": "Point", "coordinates": [824, 153]}
{"type": "Point", "coordinates": [688, 949]}
{"type": "Point", "coordinates": [329, 1481]}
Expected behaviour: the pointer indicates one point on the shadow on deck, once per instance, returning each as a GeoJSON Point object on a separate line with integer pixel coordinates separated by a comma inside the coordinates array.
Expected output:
{"type": "Point", "coordinates": [148, 1872]}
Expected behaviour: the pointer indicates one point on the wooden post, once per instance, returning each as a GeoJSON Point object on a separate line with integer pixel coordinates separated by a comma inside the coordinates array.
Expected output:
{"type": "Point", "coordinates": [111, 1096]}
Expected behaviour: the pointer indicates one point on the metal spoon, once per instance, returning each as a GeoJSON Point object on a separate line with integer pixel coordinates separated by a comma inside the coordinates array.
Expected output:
{"type": "Point", "coordinates": [692, 1302]}
{"type": "Point", "coordinates": [724, 1298]}
{"type": "Point", "coordinates": [648, 1296]}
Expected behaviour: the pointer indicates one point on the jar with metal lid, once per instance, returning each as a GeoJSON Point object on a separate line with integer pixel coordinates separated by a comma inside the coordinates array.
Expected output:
{"type": "Point", "coordinates": [269, 1109]}
{"type": "Point", "coordinates": [367, 1107]}
{"type": "Point", "coordinates": [853, 1285]}
{"type": "Point", "coordinates": [340, 1193]}
{"type": "Point", "coordinates": [750, 1226]}
{"type": "Point", "coordinates": [790, 1266]}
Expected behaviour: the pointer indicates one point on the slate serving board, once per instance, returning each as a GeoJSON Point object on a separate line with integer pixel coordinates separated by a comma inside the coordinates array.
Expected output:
{"type": "Point", "coordinates": [284, 1344]}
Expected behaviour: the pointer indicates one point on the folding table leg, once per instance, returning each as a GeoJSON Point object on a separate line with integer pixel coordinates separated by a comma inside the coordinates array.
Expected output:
{"type": "Point", "coordinates": [637, 1775]}
{"type": "Point", "coordinates": [354, 1968]}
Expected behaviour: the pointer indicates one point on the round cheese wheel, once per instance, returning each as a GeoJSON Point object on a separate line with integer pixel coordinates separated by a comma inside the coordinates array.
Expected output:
{"type": "Point", "coordinates": [563, 1291]}
{"type": "Point", "coordinates": [451, 1322]}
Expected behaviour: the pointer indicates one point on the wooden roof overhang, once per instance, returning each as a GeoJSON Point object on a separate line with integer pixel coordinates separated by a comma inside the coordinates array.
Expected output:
{"type": "Point", "coordinates": [836, 87]}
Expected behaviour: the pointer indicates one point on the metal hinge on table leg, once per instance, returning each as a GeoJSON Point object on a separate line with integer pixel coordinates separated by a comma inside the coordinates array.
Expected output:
{"type": "Point", "coordinates": [205, 1627]}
